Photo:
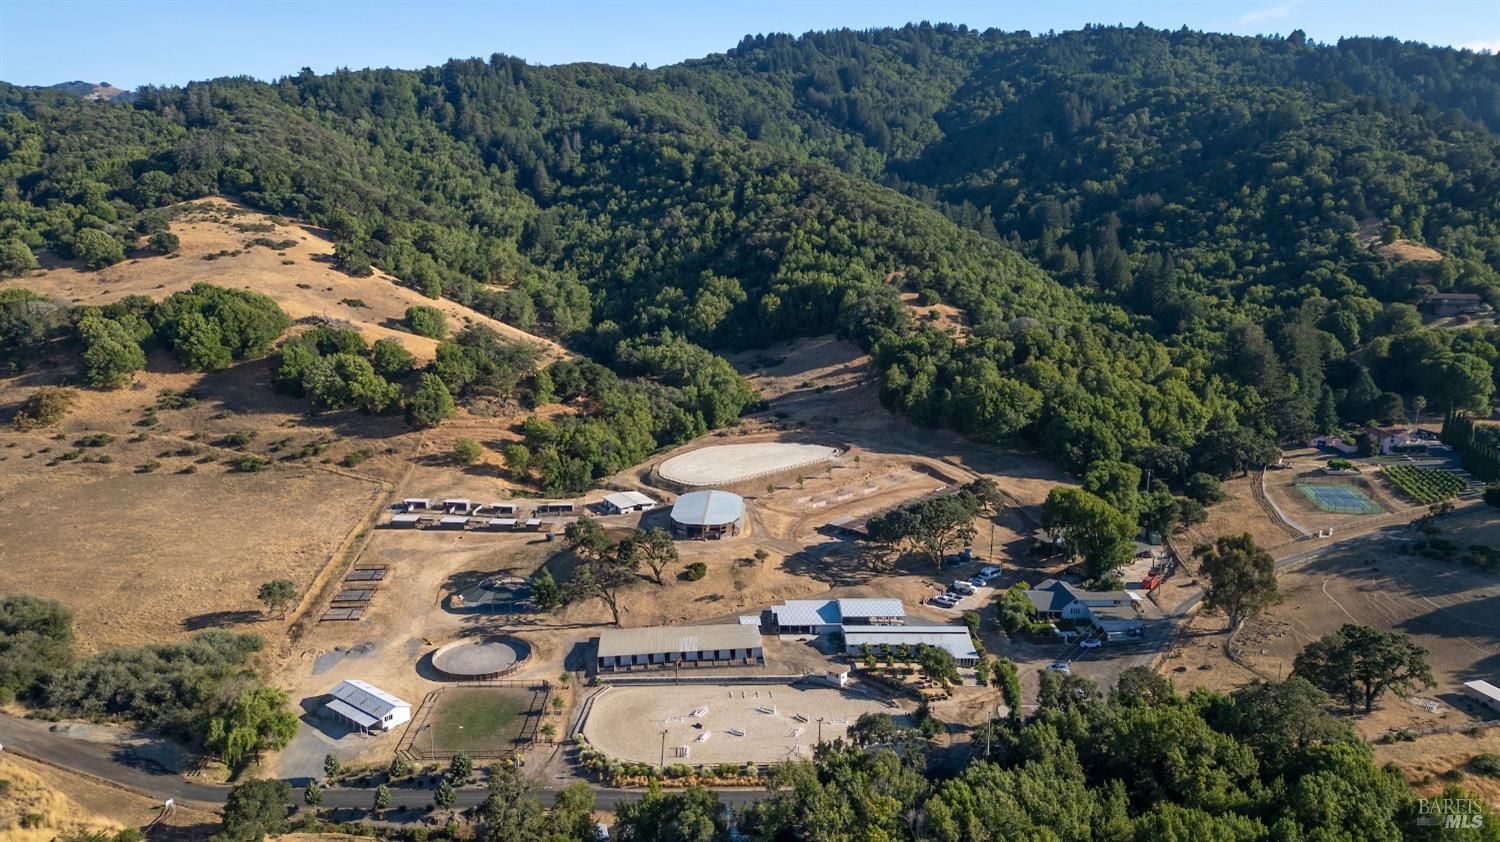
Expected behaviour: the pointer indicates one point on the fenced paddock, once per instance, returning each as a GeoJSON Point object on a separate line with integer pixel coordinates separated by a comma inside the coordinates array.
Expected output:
{"type": "Point", "coordinates": [1341, 499]}
{"type": "Point", "coordinates": [485, 720]}
{"type": "Point", "coordinates": [776, 722]}
{"type": "Point", "coordinates": [730, 464]}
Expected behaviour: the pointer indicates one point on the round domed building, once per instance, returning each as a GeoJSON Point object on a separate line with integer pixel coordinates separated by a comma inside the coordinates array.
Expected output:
{"type": "Point", "coordinates": [708, 514]}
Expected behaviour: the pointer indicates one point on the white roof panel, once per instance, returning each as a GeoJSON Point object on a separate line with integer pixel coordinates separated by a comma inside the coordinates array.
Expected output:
{"type": "Point", "coordinates": [348, 711]}
{"type": "Point", "coordinates": [871, 607]}
{"type": "Point", "coordinates": [627, 499]}
{"type": "Point", "coordinates": [955, 639]}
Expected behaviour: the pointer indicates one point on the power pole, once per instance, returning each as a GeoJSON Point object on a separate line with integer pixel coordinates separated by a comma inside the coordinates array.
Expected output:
{"type": "Point", "coordinates": [663, 749]}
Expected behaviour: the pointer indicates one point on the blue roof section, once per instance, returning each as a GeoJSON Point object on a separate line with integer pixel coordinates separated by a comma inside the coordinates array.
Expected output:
{"type": "Point", "coordinates": [708, 508]}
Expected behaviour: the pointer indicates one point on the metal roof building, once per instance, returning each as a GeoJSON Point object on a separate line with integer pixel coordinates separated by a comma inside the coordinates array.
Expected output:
{"type": "Point", "coordinates": [954, 639]}
{"type": "Point", "coordinates": [667, 645]}
{"type": "Point", "coordinates": [708, 514]}
{"type": "Point", "coordinates": [366, 706]}
{"type": "Point", "coordinates": [628, 501]}
{"type": "Point", "coordinates": [1483, 692]}
{"type": "Point", "coordinates": [821, 616]}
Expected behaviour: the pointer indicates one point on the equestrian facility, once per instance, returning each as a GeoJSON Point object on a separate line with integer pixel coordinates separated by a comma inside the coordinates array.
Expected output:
{"type": "Point", "coordinates": [729, 464]}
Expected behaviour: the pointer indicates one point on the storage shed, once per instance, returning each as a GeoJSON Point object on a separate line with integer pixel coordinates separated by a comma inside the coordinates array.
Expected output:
{"type": "Point", "coordinates": [367, 707]}
{"type": "Point", "coordinates": [622, 502]}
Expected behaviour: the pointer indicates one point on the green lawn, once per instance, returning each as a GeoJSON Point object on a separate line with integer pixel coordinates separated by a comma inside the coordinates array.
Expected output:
{"type": "Point", "coordinates": [477, 719]}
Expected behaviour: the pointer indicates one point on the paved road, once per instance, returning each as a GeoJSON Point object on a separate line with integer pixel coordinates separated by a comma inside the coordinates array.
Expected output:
{"type": "Point", "coordinates": [106, 761]}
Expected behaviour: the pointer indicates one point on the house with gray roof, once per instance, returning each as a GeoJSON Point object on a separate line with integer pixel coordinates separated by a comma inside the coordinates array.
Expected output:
{"type": "Point", "coordinates": [1113, 613]}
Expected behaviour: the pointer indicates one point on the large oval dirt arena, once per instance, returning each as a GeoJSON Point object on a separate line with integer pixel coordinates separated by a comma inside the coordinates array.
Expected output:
{"type": "Point", "coordinates": [727, 464]}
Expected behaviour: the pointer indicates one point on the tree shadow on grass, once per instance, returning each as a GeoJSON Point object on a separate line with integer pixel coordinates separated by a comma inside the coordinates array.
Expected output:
{"type": "Point", "coordinates": [220, 620]}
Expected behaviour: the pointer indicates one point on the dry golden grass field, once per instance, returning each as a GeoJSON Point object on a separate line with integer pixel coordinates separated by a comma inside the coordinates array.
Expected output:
{"type": "Point", "coordinates": [300, 277]}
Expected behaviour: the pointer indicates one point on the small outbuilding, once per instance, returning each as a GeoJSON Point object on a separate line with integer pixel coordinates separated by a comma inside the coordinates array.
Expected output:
{"type": "Point", "coordinates": [624, 502]}
{"type": "Point", "coordinates": [404, 521]}
{"type": "Point", "coordinates": [1484, 693]}
{"type": "Point", "coordinates": [545, 509]}
{"type": "Point", "coordinates": [367, 707]}
{"type": "Point", "coordinates": [708, 514]}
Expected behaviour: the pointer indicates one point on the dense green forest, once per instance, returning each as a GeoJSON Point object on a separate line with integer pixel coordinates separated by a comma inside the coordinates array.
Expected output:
{"type": "Point", "coordinates": [1153, 237]}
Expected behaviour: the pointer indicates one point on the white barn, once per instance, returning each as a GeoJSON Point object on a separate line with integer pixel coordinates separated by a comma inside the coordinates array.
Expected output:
{"type": "Point", "coordinates": [621, 502]}
{"type": "Point", "coordinates": [1484, 693]}
{"type": "Point", "coordinates": [367, 707]}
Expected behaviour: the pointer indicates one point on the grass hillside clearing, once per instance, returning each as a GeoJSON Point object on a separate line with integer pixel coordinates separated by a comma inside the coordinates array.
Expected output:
{"type": "Point", "coordinates": [228, 245]}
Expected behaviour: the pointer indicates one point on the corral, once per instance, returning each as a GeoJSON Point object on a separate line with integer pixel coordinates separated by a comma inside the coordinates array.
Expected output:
{"type": "Point", "coordinates": [478, 659]}
{"type": "Point", "coordinates": [696, 723]}
{"type": "Point", "coordinates": [729, 464]}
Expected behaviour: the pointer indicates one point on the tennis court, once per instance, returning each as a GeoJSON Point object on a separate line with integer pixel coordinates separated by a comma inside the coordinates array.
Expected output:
{"type": "Point", "coordinates": [1342, 499]}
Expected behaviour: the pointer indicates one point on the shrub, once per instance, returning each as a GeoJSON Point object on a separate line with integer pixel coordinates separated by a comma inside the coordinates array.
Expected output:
{"type": "Point", "coordinates": [431, 403]}
{"type": "Point", "coordinates": [164, 242]}
{"type": "Point", "coordinates": [173, 399]}
{"type": "Point", "coordinates": [97, 249]}
{"type": "Point", "coordinates": [1486, 764]}
{"type": "Point", "coordinates": [148, 467]}
{"type": "Point", "coordinates": [467, 451]}
{"type": "Point", "coordinates": [426, 321]}
{"type": "Point", "coordinates": [1204, 488]}
{"type": "Point", "coordinates": [95, 440]}
{"type": "Point", "coordinates": [45, 407]}
{"type": "Point", "coordinates": [695, 571]}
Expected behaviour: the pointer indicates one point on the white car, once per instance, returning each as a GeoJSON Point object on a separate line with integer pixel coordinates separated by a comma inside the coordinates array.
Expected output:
{"type": "Point", "coordinates": [987, 573]}
{"type": "Point", "coordinates": [1059, 666]}
{"type": "Point", "coordinates": [1091, 643]}
{"type": "Point", "coordinates": [946, 600]}
{"type": "Point", "coordinates": [962, 586]}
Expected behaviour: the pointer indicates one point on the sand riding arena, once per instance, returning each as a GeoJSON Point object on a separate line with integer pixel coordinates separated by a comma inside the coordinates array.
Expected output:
{"type": "Point", "coordinates": [721, 723]}
{"type": "Point", "coordinates": [728, 465]}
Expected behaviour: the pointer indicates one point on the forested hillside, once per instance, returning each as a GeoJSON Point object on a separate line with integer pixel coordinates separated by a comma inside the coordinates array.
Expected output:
{"type": "Point", "coordinates": [1153, 237]}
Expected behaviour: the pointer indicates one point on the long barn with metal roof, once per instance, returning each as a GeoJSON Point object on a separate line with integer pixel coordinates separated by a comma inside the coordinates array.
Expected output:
{"type": "Point", "coordinates": [721, 645]}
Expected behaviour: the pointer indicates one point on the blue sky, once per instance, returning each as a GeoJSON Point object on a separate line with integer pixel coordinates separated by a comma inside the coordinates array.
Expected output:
{"type": "Point", "coordinates": [130, 43]}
